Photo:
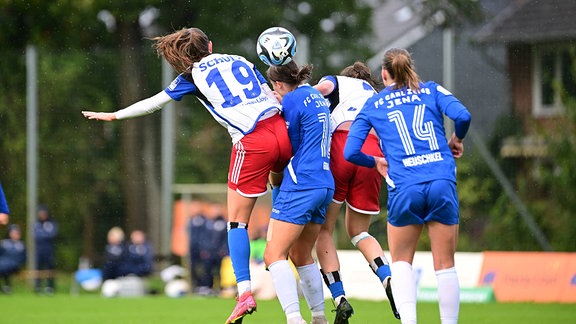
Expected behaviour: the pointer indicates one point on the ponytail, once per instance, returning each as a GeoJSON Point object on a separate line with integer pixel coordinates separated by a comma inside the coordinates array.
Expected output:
{"type": "Point", "coordinates": [399, 65]}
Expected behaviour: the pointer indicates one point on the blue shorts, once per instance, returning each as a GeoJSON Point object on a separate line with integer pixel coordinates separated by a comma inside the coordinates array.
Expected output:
{"type": "Point", "coordinates": [303, 206]}
{"type": "Point", "coordinates": [424, 202]}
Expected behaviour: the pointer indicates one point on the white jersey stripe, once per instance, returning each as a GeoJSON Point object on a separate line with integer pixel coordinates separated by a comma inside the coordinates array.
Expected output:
{"type": "Point", "coordinates": [238, 161]}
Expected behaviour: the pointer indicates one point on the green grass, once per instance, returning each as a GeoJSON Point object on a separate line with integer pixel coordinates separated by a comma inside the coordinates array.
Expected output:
{"type": "Point", "coordinates": [25, 307]}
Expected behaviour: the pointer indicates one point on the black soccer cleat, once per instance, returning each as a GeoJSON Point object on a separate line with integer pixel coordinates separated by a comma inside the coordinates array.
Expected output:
{"type": "Point", "coordinates": [343, 312]}
{"type": "Point", "coordinates": [391, 298]}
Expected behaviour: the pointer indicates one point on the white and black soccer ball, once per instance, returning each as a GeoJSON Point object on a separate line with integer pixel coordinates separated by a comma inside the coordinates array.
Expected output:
{"type": "Point", "coordinates": [276, 46]}
{"type": "Point", "coordinates": [111, 288]}
{"type": "Point", "coordinates": [177, 288]}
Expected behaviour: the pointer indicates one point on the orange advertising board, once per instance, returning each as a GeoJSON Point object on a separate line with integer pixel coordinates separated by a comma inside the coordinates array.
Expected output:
{"type": "Point", "coordinates": [545, 277]}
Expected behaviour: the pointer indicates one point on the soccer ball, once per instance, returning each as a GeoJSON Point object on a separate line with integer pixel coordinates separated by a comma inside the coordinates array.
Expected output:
{"type": "Point", "coordinates": [276, 46]}
{"type": "Point", "coordinates": [111, 288]}
{"type": "Point", "coordinates": [177, 288]}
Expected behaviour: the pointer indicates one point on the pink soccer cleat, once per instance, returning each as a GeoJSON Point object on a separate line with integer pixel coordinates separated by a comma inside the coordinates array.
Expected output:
{"type": "Point", "coordinates": [246, 305]}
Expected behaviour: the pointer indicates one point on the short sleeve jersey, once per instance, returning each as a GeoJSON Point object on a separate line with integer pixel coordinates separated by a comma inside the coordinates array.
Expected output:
{"type": "Point", "coordinates": [347, 98]}
{"type": "Point", "coordinates": [231, 88]}
{"type": "Point", "coordinates": [411, 128]}
{"type": "Point", "coordinates": [308, 119]}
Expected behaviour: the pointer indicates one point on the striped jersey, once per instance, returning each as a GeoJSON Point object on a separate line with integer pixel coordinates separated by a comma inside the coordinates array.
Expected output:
{"type": "Point", "coordinates": [231, 88]}
{"type": "Point", "coordinates": [347, 98]}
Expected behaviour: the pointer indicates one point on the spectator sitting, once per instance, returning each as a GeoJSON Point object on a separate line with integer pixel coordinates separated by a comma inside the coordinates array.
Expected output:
{"type": "Point", "coordinates": [138, 256]}
{"type": "Point", "coordinates": [113, 254]}
{"type": "Point", "coordinates": [12, 256]}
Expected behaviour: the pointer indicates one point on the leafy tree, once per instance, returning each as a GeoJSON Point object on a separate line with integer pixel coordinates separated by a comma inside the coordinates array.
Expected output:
{"type": "Point", "coordinates": [94, 175]}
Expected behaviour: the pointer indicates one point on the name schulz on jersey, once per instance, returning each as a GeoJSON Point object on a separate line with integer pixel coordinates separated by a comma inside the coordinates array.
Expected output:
{"type": "Point", "coordinates": [205, 65]}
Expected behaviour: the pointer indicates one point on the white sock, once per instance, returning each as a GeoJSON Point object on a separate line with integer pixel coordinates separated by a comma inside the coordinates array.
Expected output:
{"type": "Point", "coordinates": [311, 284]}
{"type": "Point", "coordinates": [448, 295]}
{"type": "Point", "coordinates": [404, 291]}
{"type": "Point", "coordinates": [286, 287]}
{"type": "Point", "coordinates": [244, 286]}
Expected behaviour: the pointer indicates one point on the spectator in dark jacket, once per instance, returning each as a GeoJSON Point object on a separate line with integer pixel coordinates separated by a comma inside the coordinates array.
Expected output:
{"type": "Point", "coordinates": [138, 258]}
{"type": "Point", "coordinates": [208, 245]}
{"type": "Point", "coordinates": [45, 231]}
{"type": "Point", "coordinates": [12, 256]}
{"type": "Point", "coordinates": [114, 253]}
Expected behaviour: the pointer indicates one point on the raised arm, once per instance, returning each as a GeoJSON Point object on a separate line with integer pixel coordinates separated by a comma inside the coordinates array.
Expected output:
{"type": "Point", "coordinates": [140, 108]}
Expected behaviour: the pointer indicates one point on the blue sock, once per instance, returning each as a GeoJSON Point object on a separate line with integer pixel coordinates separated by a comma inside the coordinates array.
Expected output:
{"type": "Point", "coordinates": [239, 247]}
{"type": "Point", "coordinates": [336, 289]}
{"type": "Point", "coordinates": [383, 271]}
{"type": "Point", "coordinates": [334, 283]}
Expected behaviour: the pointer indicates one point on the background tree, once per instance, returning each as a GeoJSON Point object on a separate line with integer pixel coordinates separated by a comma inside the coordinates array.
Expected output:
{"type": "Point", "coordinates": [96, 175]}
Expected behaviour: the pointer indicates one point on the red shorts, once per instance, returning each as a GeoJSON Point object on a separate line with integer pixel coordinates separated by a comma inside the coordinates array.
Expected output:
{"type": "Point", "coordinates": [357, 185]}
{"type": "Point", "coordinates": [267, 148]}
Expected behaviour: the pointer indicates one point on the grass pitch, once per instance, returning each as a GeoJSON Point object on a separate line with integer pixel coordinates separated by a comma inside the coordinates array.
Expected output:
{"type": "Point", "coordinates": [25, 307]}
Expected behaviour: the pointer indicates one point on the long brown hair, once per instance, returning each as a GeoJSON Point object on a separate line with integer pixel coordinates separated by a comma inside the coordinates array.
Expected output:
{"type": "Point", "coordinates": [359, 70]}
{"type": "Point", "coordinates": [183, 48]}
{"type": "Point", "coordinates": [289, 73]}
{"type": "Point", "coordinates": [400, 67]}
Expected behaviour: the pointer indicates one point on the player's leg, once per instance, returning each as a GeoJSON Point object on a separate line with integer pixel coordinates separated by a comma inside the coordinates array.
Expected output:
{"type": "Point", "coordinates": [310, 278]}
{"type": "Point", "coordinates": [363, 201]}
{"type": "Point", "coordinates": [357, 225]}
{"type": "Point", "coordinates": [443, 240]}
{"type": "Point", "coordinates": [342, 171]}
{"type": "Point", "coordinates": [442, 224]}
{"type": "Point", "coordinates": [327, 255]}
{"type": "Point", "coordinates": [251, 160]}
{"type": "Point", "coordinates": [239, 210]}
{"type": "Point", "coordinates": [281, 236]}
{"type": "Point", "coordinates": [402, 242]}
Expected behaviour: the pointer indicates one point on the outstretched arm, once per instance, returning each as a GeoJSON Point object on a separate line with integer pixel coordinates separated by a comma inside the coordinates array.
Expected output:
{"type": "Point", "coordinates": [140, 108]}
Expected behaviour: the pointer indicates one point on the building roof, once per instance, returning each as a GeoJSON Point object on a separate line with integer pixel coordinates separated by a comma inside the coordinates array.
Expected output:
{"type": "Point", "coordinates": [532, 21]}
{"type": "Point", "coordinates": [395, 24]}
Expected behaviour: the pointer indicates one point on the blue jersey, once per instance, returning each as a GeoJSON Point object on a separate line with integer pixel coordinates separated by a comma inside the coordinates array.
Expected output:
{"type": "Point", "coordinates": [231, 88]}
{"type": "Point", "coordinates": [45, 233]}
{"type": "Point", "coordinates": [308, 119]}
{"type": "Point", "coordinates": [410, 125]}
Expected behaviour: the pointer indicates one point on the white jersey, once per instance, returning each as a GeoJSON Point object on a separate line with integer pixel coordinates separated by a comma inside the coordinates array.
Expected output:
{"type": "Point", "coordinates": [347, 98]}
{"type": "Point", "coordinates": [232, 89]}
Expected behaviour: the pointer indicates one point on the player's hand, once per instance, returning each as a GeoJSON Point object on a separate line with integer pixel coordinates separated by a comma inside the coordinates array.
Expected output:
{"type": "Point", "coordinates": [456, 146]}
{"type": "Point", "coordinates": [381, 166]}
{"type": "Point", "coordinates": [99, 115]}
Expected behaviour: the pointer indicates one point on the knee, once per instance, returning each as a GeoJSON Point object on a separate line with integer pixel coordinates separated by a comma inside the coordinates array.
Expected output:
{"type": "Point", "coordinates": [359, 237]}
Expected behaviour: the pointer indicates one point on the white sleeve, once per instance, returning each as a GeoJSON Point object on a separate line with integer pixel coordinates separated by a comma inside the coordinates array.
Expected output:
{"type": "Point", "coordinates": [144, 107]}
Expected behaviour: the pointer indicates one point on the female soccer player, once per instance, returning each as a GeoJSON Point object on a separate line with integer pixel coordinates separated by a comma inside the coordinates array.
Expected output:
{"type": "Point", "coordinates": [307, 187]}
{"type": "Point", "coordinates": [420, 170]}
{"type": "Point", "coordinates": [238, 97]}
{"type": "Point", "coordinates": [358, 186]}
